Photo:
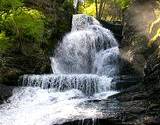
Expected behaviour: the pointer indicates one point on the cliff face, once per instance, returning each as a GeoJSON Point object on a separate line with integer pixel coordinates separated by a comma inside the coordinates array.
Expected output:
{"type": "Point", "coordinates": [152, 70]}
{"type": "Point", "coordinates": [140, 103]}
{"type": "Point", "coordinates": [137, 19]}
{"type": "Point", "coordinates": [144, 59]}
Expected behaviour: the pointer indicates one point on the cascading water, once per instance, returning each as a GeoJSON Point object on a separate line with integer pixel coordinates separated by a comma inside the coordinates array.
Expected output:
{"type": "Point", "coordinates": [83, 67]}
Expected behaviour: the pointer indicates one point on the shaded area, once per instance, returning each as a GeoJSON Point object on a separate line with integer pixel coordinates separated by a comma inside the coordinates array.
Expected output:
{"type": "Point", "coordinates": [115, 27]}
{"type": "Point", "coordinates": [92, 122]}
{"type": "Point", "coordinates": [5, 92]}
{"type": "Point", "coordinates": [139, 105]}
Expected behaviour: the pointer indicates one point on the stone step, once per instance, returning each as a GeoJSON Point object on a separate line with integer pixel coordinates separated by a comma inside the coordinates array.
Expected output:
{"type": "Point", "coordinates": [125, 81]}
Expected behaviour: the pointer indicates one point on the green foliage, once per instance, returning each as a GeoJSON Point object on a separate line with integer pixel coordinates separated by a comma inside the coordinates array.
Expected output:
{"type": "Point", "coordinates": [88, 8]}
{"type": "Point", "coordinates": [19, 24]}
{"type": "Point", "coordinates": [123, 4]}
{"type": "Point", "coordinates": [10, 4]}
{"type": "Point", "coordinates": [105, 9]}
{"type": "Point", "coordinates": [23, 24]}
{"type": "Point", "coordinates": [155, 34]}
{"type": "Point", "coordinates": [4, 42]}
{"type": "Point", "coordinates": [154, 30]}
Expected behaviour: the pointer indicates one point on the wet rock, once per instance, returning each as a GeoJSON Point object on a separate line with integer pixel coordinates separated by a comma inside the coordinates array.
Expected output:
{"type": "Point", "coordinates": [5, 92]}
{"type": "Point", "coordinates": [152, 121]}
{"type": "Point", "coordinates": [93, 122]}
{"type": "Point", "coordinates": [124, 82]}
{"type": "Point", "coordinates": [116, 28]}
{"type": "Point", "coordinates": [139, 104]}
{"type": "Point", "coordinates": [152, 70]}
{"type": "Point", "coordinates": [13, 65]}
{"type": "Point", "coordinates": [136, 103]}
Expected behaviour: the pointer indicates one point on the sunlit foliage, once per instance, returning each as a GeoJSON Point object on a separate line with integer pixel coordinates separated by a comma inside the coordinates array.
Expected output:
{"type": "Point", "coordinates": [20, 24]}
{"type": "Point", "coordinates": [105, 9]}
{"type": "Point", "coordinates": [123, 4]}
{"type": "Point", "coordinates": [154, 29]}
{"type": "Point", "coordinates": [111, 11]}
{"type": "Point", "coordinates": [88, 7]}
{"type": "Point", "coordinates": [24, 22]}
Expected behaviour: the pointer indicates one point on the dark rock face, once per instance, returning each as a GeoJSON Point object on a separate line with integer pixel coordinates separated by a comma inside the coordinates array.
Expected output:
{"type": "Point", "coordinates": [124, 82]}
{"type": "Point", "coordinates": [137, 105]}
{"type": "Point", "coordinates": [115, 28]}
{"type": "Point", "coordinates": [93, 122]}
{"type": "Point", "coordinates": [134, 44]}
{"type": "Point", "coordinates": [13, 65]}
{"type": "Point", "coordinates": [152, 70]}
{"type": "Point", "coordinates": [140, 104]}
{"type": "Point", "coordinates": [5, 92]}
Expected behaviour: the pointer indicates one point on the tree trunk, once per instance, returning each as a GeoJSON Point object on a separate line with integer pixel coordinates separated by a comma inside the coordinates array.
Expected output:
{"type": "Point", "coordinates": [96, 8]}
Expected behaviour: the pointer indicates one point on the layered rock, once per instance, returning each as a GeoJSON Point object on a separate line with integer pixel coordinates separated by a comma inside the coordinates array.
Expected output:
{"type": "Point", "coordinates": [13, 65]}
{"type": "Point", "coordinates": [152, 69]}
{"type": "Point", "coordinates": [140, 103]}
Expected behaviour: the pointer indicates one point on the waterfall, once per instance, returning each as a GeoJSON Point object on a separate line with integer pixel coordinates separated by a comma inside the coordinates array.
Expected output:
{"type": "Point", "coordinates": [87, 57]}
{"type": "Point", "coordinates": [84, 64]}
{"type": "Point", "coordinates": [88, 84]}
{"type": "Point", "coordinates": [80, 50]}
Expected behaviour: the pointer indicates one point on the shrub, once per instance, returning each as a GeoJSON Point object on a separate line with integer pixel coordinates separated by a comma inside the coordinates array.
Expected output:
{"type": "Point", "coordinates": [6, 5]}
{"type": "Point", "coordinates": [23, 24]}
{"type": "Point", "coordinates": [4, 42]}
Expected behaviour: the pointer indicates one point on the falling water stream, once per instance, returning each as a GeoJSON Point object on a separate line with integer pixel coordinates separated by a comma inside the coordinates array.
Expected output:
{"type": "Point", "coordinates": [83, 65]}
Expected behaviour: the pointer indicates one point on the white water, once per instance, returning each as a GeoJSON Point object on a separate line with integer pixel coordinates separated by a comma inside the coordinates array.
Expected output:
{"type": "Point", "coordinates": [84, 65]}
{"type": "Point", "coordinates": [87, 83]}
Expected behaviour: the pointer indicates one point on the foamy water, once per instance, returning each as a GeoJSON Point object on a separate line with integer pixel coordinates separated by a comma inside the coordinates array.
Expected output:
{"type": "Point", "coordinates": [36, 106]}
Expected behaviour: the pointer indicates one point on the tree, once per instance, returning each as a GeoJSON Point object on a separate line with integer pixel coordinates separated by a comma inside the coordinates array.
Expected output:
{"type": "Point", "coordinates": [105, 9]}
{"type": "Point", "coordinates": [88, 7]}
{"type": "Point", "coordinates": [76, 4]}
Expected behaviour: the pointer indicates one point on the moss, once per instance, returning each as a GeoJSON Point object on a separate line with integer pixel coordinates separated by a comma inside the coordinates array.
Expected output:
{"type": "Point", "coordinates": [9, 75]}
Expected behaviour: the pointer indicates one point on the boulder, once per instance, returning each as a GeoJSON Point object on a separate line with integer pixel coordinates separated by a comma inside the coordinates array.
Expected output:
{"type": "Point", "coordinates": [5, 92]}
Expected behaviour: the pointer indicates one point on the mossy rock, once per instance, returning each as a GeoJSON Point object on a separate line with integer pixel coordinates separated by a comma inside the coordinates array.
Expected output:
{"type": "Point", "coordinates": [9, 76]}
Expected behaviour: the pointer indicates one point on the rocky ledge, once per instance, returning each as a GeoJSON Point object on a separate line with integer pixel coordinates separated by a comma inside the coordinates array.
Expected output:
{"type": "Point", "coordinates": [5, 92]}
{"type": "Point", "coordinates": [93, 122]}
